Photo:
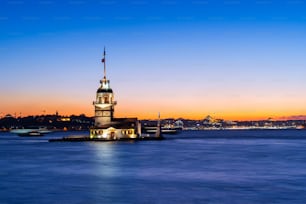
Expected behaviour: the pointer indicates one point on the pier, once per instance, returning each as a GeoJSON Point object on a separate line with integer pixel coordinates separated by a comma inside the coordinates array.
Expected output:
{"type": "Point", "coordinates": [88, 139]}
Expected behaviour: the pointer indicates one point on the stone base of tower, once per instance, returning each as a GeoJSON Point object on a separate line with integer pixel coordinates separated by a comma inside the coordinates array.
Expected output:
{"type": "Point", "coordinates": [122, 129]}
{"type": "Point", "coordinates": [119, 128]}
{"type": "Point", "coordinates": [112, 133]}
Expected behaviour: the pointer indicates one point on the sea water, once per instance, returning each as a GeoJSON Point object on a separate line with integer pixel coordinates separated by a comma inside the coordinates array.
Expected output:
{"type": "Point", "coordinates": [192, 167]}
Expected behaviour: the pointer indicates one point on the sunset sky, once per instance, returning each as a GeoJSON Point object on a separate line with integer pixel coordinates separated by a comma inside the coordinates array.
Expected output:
{"type": "Point", "coordinates": [235, 60]}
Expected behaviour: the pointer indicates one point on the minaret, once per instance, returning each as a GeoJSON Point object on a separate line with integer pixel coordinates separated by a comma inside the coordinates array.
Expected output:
{"type": "Point", "coordinates": [104, 104]}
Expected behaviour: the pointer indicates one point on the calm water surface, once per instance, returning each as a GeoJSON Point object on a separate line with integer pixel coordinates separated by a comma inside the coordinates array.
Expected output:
{"type": "Point", "coordinates": [193, 167]}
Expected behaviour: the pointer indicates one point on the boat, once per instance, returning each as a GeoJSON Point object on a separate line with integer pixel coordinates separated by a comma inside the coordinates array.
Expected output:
{"type": "Point", "coordinates": [31, 131]}
{"type": "Point", "coordinates": [163, 130]}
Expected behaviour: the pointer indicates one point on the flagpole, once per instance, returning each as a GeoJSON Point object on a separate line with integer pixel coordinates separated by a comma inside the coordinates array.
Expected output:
{"type": "Point", "coordinates": [104, 64]}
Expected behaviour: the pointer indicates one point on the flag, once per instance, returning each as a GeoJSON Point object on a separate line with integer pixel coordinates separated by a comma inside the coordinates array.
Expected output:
{"type": "Point", "coordinates": [103, 59]}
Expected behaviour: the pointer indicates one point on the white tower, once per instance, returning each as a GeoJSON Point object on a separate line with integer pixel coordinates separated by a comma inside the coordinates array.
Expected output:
{"type": "Point", "coordinates": [104, 104]}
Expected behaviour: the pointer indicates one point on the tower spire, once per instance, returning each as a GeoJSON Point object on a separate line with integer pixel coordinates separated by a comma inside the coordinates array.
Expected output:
{"type": "Point", "coordinates": [103, 61]}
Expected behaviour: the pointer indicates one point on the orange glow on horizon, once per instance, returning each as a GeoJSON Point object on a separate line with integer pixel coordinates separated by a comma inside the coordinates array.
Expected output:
{"type": "Point", "coordinates": [153, 114]}
{"type": "Point", "coordinates": [147, 108]}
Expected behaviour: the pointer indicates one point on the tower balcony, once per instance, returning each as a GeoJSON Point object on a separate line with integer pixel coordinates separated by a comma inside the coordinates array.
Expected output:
{"type": "Point", "coordinates": [104, 105]}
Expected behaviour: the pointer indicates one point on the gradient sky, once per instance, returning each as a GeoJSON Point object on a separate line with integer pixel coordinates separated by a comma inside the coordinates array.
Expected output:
{"type": "Point", "coordinates": [230, 59]}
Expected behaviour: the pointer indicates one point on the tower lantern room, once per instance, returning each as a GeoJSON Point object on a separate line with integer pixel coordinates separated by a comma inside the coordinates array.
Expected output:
{"type": "Point", "coordinates": [104, 104]}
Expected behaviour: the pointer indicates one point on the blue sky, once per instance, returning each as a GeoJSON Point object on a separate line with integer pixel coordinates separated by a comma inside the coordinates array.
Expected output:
{"type": "Point", "coordinates": [231, 59]}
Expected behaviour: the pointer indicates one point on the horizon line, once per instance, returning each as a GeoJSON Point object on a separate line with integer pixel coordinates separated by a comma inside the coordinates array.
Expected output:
{"type": "Point", "coordinates": [281, 118]}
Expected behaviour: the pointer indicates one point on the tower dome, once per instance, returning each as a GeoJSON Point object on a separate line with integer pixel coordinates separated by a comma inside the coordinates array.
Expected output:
{"type": "Point", "coordinates": [102, 90]}
{"type": "Point", "coordinates": [105, 87]}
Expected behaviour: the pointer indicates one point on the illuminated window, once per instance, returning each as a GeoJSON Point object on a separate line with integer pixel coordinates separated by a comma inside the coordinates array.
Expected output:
{"type": "Point", "coordinates": [106, 100]}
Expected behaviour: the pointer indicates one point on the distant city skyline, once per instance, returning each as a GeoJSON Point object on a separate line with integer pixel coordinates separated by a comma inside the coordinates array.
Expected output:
{"type": "Point", "coordinates": [229, 59]}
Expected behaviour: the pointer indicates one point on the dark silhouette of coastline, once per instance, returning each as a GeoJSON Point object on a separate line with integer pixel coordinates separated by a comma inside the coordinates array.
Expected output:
{"type": "Point", "coordinates": [52, 122]}
{"type": "Point", "coordinates": [83, 122]}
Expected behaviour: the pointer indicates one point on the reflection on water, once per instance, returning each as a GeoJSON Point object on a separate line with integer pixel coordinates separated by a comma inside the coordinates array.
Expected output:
{"type": "Point", "coordinates": [106, 159]}
{"type": "Point", "coordinates": [194, 167]}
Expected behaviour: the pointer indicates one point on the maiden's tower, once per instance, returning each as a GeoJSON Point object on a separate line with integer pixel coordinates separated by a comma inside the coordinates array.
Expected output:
{"type": "Point", "coordinates": [106, 125]}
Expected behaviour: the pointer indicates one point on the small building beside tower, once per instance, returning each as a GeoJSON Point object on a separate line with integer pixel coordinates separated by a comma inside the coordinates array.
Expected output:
{"type": "Point", "coordinates": [106, 125]}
